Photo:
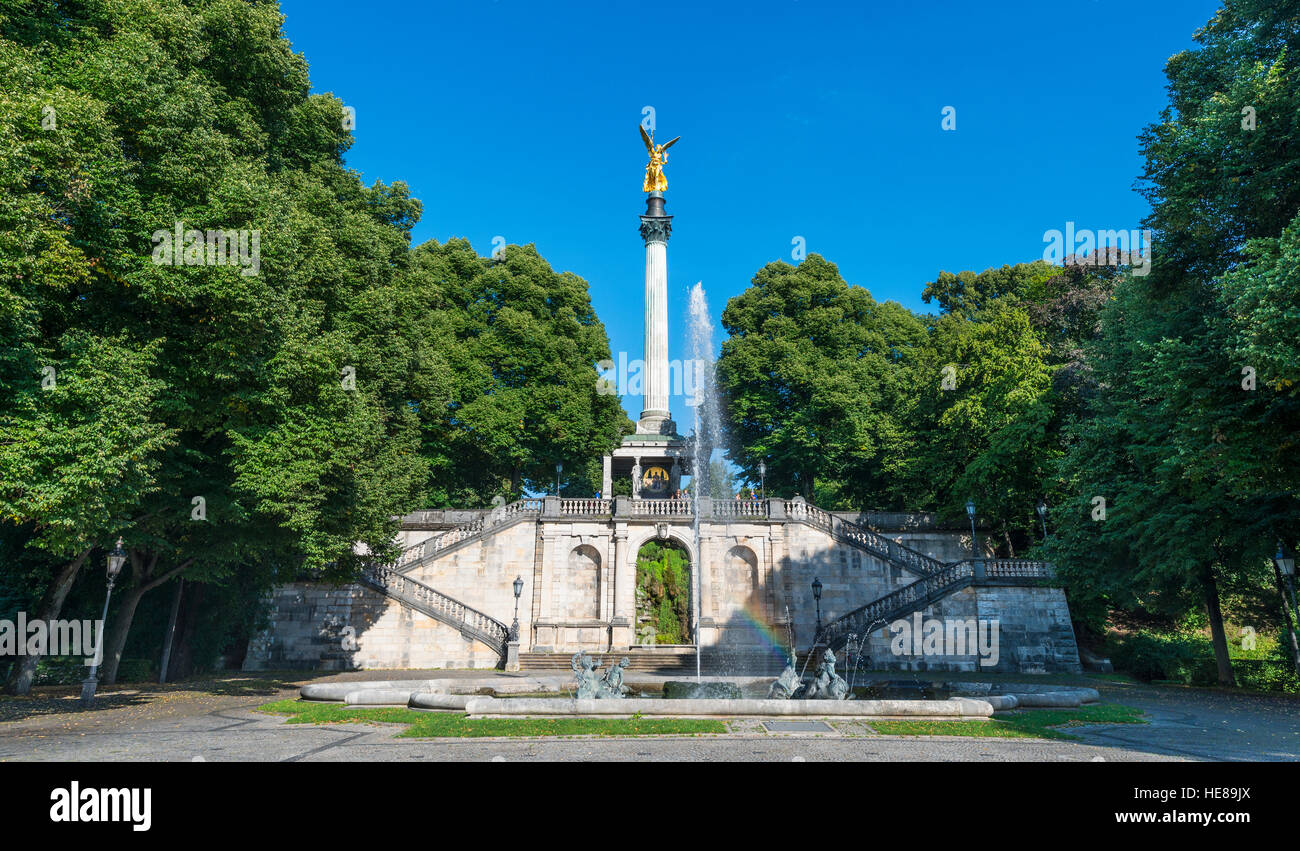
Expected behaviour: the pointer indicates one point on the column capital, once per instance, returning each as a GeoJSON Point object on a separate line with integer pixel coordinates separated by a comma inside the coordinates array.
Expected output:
{"type": "Point", "coordinates": [656, 228]}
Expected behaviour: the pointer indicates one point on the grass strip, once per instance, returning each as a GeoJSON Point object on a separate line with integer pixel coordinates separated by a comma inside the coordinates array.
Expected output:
{"type": "Point", "coordinates": [455, 725]}
{"type": "Point", "coordinates": [1017, 724]}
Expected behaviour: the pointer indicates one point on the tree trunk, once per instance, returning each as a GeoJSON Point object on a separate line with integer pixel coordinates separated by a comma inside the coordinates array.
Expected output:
{"type": "Point", "coordinates": [117, 636]}
{"type": "Point", "coordinates": [51, 606]}
{"type": "Point", "coordinates": [182, 664]}
{"type": "Point", "coordinates": [1006, 536]}
{"type": "Point", "coordinates": [145, 582]}
{"type": "Point", "coordinates": [171, 631]}
{"type": "Point", "coordinates": [1218, 637]}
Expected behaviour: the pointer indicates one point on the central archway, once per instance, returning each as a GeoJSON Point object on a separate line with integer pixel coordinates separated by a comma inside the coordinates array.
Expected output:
{"type": "Point", "coordinates": [663, 593]}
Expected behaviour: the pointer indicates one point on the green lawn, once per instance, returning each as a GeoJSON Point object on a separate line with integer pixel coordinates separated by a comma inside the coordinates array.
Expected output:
{"type": "Point", "coordinates": [1017, 724]}
{"type": "Point", "coordinates": [451, 724]}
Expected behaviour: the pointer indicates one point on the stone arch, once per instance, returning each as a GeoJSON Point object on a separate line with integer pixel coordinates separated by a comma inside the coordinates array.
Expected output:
{"type": "Point", "coordinates": [672, 535]}
{"type": "Point", "coordinates": [577, 585]}
{"type": "Point", "coordinates": [664, 589]}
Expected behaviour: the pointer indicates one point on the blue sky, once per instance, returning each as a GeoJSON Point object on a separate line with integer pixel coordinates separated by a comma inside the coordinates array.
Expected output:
{"type": "Point", "coordinates": [798, 119]}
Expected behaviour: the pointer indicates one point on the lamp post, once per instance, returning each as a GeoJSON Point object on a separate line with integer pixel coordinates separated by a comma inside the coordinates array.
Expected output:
{"type": "Point", "coordinates": [1284, 566]}
{"type": "Point", "coordinates": [559, 468]}
{"type": "Point", "coordinates": [116, 559]}
{"type": "Point", "coordinates": [514, 627]}
{"type": "Point", "coordinates": [970, 512]}
{"type": "Point", "coordinates": [1042, 515]}
{"type": "Point", "coordinates": [817, 596]}
{"type": "Point", "coordinates": [762, 479]}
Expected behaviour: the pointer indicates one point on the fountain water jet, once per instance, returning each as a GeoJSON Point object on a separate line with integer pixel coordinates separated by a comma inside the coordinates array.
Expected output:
{"type": "Point", "coordinates": [707, 436]}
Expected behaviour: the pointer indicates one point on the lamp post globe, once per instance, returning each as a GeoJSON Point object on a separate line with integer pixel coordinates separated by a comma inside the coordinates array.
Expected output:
{"type": "Point", "coordinates": [116, 558]}
{"type": "Point", "coordinates": [970, 512]}
{"type": "Point", "coordinates": [519, 589]}
{"type": "Point", "coordinates": [559, 468]}
{"type": "Point", "coordinates": [762, 479]}
{"type": "Point", "coordinates": [1286, 566]}
{"type": "Point", "coordinates": [1285, 572]}
{"type": "Point", "coordinates": [1285, 563]}
{"type": "Point", "coordinates": [1042, 515]}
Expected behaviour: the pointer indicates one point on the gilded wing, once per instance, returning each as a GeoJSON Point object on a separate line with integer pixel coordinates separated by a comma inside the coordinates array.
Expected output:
{"type": "Point", "coordinates": [648, 144]}
{"type": "Point", "coordinates": [670, 144]}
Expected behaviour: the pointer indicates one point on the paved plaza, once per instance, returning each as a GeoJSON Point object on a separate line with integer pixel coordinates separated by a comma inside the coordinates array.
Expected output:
{"type": "Point", "coordinates": [217, 721]}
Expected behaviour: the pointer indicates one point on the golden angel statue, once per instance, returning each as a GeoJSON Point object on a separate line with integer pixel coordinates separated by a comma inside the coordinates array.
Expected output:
{"type": "Point", "coordinates": [654, 172]}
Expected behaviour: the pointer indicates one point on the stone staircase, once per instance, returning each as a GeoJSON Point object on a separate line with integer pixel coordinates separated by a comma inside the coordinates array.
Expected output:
{"type": "Point", "coordinates": [926, 591]}
{"type": "Point", "coordinates": [495, 520]}
{"type": "Point", "coordinates": [937, 580]}
{"type": "Point", "coordinates": [471, 622]}
{"type": "Point", "coordinates": [864, 538]}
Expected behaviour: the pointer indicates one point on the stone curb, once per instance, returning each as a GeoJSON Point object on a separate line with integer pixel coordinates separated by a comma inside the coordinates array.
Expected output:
{"type": "Point", "coordinates": [425, 700]}
{"type": "Point", "coordinates": [957, 707]}
{"type": "Point", "coordinates": [379, 697]}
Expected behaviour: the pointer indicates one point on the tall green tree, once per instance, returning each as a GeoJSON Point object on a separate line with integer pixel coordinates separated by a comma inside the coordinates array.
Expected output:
{"type": "Point", "coordinates": [812, 378]}
{"type": "Point", "coordinates": [265, 431]}
{"type": "Point", "coordinates": [508, 377]}
{"type": "Point", "coordinates": [986, 421]}
{"type": "Point", "coordinates": [1173, 436]}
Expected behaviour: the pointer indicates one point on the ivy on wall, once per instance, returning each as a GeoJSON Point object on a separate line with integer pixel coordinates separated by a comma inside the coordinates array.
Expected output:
{"type": "Point", "coordinates": [663, 581]}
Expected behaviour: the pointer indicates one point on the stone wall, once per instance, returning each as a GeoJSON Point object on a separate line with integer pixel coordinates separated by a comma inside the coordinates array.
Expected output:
{"type": "Point", "coordinates": [756, 571]}
{"type": "Point", "coordinates": [1034, 634]}
{"type": "Point", "coordinates": [310, 630]}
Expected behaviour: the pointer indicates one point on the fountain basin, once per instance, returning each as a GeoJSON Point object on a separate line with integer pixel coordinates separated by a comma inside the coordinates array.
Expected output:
{"type": "Point", "coordinates": [707, 690]}
{"type": "Point", "coordinates": [494, 707]}
{"type": "Point", "coordinates": [485, 697]}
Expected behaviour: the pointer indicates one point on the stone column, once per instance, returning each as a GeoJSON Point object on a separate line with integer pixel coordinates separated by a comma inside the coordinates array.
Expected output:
{"type": "Point", "coordinates": [774, 579]}
{"type": "Point", "coordinates": [655, 229]}
{"type": "Point", "coordinates": [607, 477]}
{"type": "Point", "coordinates": [546, 637]}
{"type": "Point", "coordinates": [708, 597]}
{"type": "Point", "coordinates": [624, 620]}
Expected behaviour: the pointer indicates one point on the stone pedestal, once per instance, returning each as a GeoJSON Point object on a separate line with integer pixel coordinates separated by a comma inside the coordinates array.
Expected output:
{"type": "Point", "coordinates": [512, 656]}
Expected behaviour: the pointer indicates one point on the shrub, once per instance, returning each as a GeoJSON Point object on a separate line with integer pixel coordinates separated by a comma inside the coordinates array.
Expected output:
{"type": "Point", "coordinates": [1148, 656]}
{"type": "Point", "coordinates": [1189, 659]}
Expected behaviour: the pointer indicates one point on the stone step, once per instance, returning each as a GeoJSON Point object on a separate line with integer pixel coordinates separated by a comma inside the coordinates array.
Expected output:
{"type": "Point", "coordinates": [741, 662]}
{"type": "Point", "coordinates": [637, 661]}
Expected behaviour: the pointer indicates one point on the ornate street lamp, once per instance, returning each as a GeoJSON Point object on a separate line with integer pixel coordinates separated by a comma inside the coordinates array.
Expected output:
{"type": "Point", "coordinates": [970, 512]}
{"type": "Point", "coordinates": [762, 479]}
{"type": "Point", "coordinates": [514, 627]}
{"type": "Point", "coordinates": [116, 559]}
{"type": "Point", "coordinates": [817, 595]}
{"type": "Point", "coordinates": [1284, 566]}
{"type": "Point", "coordinates": [1042, 515]}
{"type": "Point", "coordinates": [559, 468]}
